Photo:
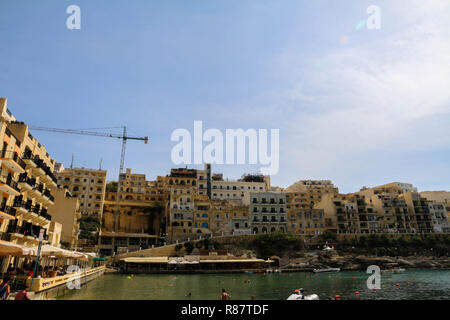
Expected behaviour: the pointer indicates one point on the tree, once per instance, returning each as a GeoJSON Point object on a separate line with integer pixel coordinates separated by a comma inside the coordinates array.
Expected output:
{"type": "Point", "coordinates": [189, 247]}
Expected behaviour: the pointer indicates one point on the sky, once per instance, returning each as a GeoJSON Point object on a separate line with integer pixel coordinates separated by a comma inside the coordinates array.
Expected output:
{"type": "Point", "coordinates": [358, 106]}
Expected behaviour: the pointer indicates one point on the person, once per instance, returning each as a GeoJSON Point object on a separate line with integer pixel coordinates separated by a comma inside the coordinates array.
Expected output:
{"type": "Point", "coordinates": [5, 289]}
{"type": "Point", "coordinates": [225, 295]}
{"type": "Point", "coordinates": [189, 295]}
{"type": "Point", "coordinates": [22, 295]}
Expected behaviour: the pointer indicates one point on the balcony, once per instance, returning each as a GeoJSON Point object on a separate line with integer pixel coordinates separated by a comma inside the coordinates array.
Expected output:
{"type": "Point", "coordinates": [7, 185]}
{"type": "Point", "coordinates": [28, 159]}
{"type": "Point", "coordinates": [37, 191]}
{"type": "Point", "coordinates": [31, 213]}
{"type": "Point", "coordinates": [26, 183]}
{"type": "Point", "coordinates": [7, 212]}
{"type": "Point", "coordinates": [25, 233]}
{"type": "Point", "coordinates": [47, 197]}
{"type": "Point", "coordinates": [38, 170]}
{"type": "Point", "coordinates": [12, 161]}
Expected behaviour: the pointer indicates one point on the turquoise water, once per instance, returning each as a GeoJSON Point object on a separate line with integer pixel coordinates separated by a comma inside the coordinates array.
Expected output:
{"type": "Point", "coordinates": [424, 284]}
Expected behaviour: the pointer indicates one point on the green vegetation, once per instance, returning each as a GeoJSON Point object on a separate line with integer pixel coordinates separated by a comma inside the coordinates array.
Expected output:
{"type": "Point", "coordinates": [189, 247]}
{"type": "Point", "coordinates": [393, 245]}
{"type": "Point", "coordinates": [111, 186]}
{"type": "Point", "coordinates": [156, 213]}
{"type": "Point", "coordinates": [271, 244]}
{"type": "Point", "coordinates": [87, 227]}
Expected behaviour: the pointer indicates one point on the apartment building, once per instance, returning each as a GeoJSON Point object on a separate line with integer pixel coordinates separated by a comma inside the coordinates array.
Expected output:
{"type": "Point", "coordinates": [420, 212]}
{"type": "Point", "coordinates": [201, 217]}
{"type": "Point", "coordinates": [27, 183]}
{"type": "Point", "coordinates": [301, 197]}
{"type": "Point", "coordinates": [239, 189]}
{"type": "Point", "coordinates": [141, 206]}
{"type": "Point", "coordinates": [439, 196]}
{"type": "Point", "coordinates": [66, 211]}
{"type": "Point", "coordinates": [140, 222]}
{"type": "Point", "coordinates": [439, 219]}
{"type": "Point", "coordinates": [268, 212]}
{"type": "Point", "coordinates": [88, 185]}
{"type": "Point", "coordinates": [217, 188]}
{"type": "Point", "coordinates": [181, 212]}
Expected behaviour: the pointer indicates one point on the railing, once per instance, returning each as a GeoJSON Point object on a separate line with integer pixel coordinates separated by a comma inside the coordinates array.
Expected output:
{"type": "Point", "coordinates": [25, 231]}
{"type": "Point", "coordinates": [27, 154]}
{"type": "Point", "coordinates": [40, 284]}
{"type": "Point", "coordinates": [23, 177]}
{"type": "Point", "coordinates": [4, 236]}
{"type": "Point", "coordinates": [48, 194]}
{"type": "Point", "coordinates": [13, 156]}
{"type": "Point", "coordinates": [9, 181]}
{"type": "Point", "coordinates": [22, 204]}
{"type": "Point", "coordinates": [8, 210]}
{"type": "Point", "coordinates": [40, 163]}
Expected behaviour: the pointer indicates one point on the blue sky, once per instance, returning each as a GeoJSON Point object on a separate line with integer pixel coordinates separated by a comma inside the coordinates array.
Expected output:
{"type": "Point", "coordinates": [359, 107]}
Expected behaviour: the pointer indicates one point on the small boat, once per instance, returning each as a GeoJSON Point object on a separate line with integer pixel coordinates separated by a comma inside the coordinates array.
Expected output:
{"type": "Point", "coordinates": [326, 270]}
{"type": "Point", "coordinates": [298, 295]}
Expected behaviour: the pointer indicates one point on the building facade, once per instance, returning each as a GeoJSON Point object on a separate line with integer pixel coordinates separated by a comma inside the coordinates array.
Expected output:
{"type": "Point", "coordinates": [268, 212]}
{"type": "Point", "coordinates": [27, 184]}
{"type": "Point", "coordinates": [88, 185]}
{"type": "Point", "coordinates": [66, 211]}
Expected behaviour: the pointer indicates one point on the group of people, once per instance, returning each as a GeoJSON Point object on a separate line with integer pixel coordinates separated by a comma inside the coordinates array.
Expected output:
{"type": "Point", "coordinates": [44, 272]}
{"type": "Point", "coordinates": [5, 291]}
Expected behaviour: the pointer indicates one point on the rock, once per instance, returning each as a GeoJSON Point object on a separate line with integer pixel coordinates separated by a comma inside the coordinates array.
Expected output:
{"type": "Point", "coordinates": [404, 263]}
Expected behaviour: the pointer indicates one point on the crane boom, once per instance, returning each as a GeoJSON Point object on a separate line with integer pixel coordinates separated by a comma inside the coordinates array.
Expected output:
{"type": "Point", "coordinates": [124, 138]}
{"type": "Point", "coordinates": [89, 133]}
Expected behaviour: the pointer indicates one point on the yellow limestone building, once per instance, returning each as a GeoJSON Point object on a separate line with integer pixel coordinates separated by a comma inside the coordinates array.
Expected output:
{"type": "Point", "coordinates": [141, 220]}
{"type": "Point", "coordinates": [27, 184]}
{"type": "Point", "coordinates": [88, 185]}
{"type": "Point", "coordinates": [66, 211]}
{"type": "Point", "coordinates": [301, 197]}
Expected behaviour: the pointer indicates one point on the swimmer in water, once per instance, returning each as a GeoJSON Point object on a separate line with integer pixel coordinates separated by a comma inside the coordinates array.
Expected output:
{"type": "Point", "coordinates": [224, 295]}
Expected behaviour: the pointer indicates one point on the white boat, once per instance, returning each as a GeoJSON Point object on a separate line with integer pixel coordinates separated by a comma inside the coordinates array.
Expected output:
{"type": "Point", "coordinates": [326, 270]}
{"type": "Point", "coordinates": [298, 295]}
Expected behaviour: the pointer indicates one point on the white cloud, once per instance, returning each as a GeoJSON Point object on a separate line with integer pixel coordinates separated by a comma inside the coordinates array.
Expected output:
{"type": "Point", "coordinates": [372, 95]}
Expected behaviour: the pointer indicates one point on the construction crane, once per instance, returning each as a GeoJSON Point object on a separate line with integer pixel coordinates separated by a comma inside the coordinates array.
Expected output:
{"type": "Point", "coordinates": [124, 139]}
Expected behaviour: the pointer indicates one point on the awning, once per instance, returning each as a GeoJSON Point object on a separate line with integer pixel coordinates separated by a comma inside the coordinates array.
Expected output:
{"type": "Point", "coordinates": [13, 249]}
{"type": "Point", "coordinates": [92, 254]}
{"type": "Point", "coordinates": [99, 259]}
{"type": "Point", "coordinates": [232, 261]}
{"type": "Point", "coordinates": [51, 251]}
{"type": "Point", "coordinates": [48, 250]}
{"type": "Point", "coordinates": [79, 255]}
{"type": "Point", "coordinates": [145, 260]}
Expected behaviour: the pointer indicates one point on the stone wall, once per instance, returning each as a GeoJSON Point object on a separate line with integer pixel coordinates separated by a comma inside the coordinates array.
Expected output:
{"type": "Point", "coordinates": [169, 250]}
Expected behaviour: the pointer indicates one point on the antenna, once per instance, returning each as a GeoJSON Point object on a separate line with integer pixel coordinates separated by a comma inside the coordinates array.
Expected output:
{"type": "Point", "coordinates": [100, 166]}
{"type": "Point", "coordinates": [71, 164]}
